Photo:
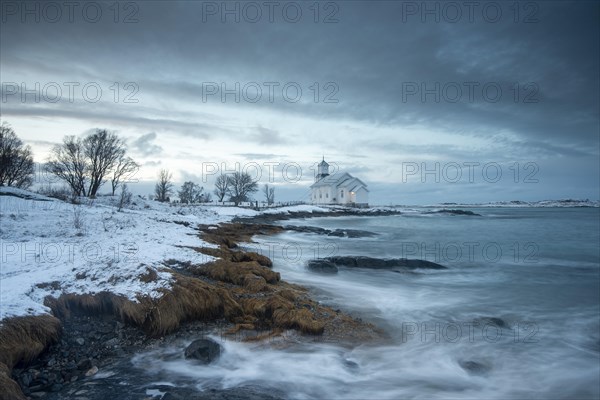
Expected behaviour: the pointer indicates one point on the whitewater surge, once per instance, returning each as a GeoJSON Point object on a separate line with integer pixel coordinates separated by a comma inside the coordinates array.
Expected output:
{"type": "Point", "coordinates": [522, 324]}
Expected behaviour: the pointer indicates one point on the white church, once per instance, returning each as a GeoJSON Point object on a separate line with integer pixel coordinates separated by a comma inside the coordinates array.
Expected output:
{"type": "Point", "coordinates": [338, 188]}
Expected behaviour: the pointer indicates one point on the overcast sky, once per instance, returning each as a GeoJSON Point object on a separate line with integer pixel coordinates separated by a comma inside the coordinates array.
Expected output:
{"type": "Point", "coordinates": [425, 102]}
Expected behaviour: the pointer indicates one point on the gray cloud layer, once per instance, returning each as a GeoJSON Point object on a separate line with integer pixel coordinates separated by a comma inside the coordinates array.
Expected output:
{"type": "Point", "coordinates": [373, 55]}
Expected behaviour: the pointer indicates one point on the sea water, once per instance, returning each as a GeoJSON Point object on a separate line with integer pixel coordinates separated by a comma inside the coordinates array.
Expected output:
{"type": "Point", "coordinates": [514, 315]}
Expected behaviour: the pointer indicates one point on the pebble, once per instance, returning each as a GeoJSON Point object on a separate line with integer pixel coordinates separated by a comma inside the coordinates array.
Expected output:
{"type": "Point", "coordinates": [56, 387]}
{"type": "Point", "coordinates": [92, 371]}
{"type": "Point", "coordinates": [26, 379]}
{"type": "Point", "coordinates": [84, 364]}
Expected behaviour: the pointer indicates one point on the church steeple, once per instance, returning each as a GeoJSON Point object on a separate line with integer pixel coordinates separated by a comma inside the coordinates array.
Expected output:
{"type": "Point", "coordinates": [322, 170]}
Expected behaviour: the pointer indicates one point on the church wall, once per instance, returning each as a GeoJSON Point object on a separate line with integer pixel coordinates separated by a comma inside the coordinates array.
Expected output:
{"type": "Point", "coordinates": [362, 196]}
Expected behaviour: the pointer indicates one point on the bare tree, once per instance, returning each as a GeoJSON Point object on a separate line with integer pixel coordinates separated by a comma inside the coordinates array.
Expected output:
{"type": "Point", "coordinates": [269, 193]}
{"type": "Point", "coordinates": [84, 164]}
{"type": "Point", "coordinates": [241, 186]}
{"type": "Point", "coordinates": [103, 150]}
{"type": "Point", "coordinates": [164, 186]}
{"type": "Point", "coordinates": [16, 160]}
{"type": "Point", "coordinates": [124, 167]}
{"type": "Point", "coordinates": [221, 187]}
{"type": "Point", "coordinates": [68, 162]}
{"type": "Point", "coordinates": [190, 193]}
{"type": "Point", "coordinates": [125, 197]}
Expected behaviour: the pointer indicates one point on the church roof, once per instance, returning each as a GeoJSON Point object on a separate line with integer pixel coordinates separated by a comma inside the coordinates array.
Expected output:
{"type": "Point", "coordinates": [341, 179]}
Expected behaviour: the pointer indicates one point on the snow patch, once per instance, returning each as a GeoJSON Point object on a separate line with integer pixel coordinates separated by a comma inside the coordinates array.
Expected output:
{"type": "Point", "coordinates": [49, 247]}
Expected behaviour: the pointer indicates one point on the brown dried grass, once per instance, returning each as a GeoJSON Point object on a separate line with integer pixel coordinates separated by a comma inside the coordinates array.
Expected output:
{"type": "Point", "coordinates": [22, 339]}
{"type": "Point", "coordinates": [188, 299]}
{"type": "Point", "coordinates": [277, 312]}
{"type": "Point", "coordinates": [230, 234]}
{"type": "Point", "coordinates": [235, 272]}
{"type": "Point", "coordinates": [9, 389]}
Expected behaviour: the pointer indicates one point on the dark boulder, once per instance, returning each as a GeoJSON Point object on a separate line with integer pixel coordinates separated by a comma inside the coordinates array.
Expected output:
{"type": "Point", "coordinates": [491, 321]}
{"type": "Point", "coordinates": [351, 365]}
{"type": "Point", "coordinates": [84, 364]}
{"type": "Point", "coordinates": [350, 233]}
{"type": "Point", "coordinates": [380, 263]}
{"type": "Point", "coordinates": [454, 212]}
{"type": "Point", "coordinates": [203, 350]}
{"type": "Point", "coordinates": [354, 233]}
{"type": "Point", "coordinates": [322, 266]}
{"type": "Point", "coordinates": [474, 367]}
{"type": "Point", "coordinates": [331, 265]}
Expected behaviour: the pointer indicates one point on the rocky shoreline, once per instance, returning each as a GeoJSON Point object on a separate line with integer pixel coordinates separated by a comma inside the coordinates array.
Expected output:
{"type": "Point", "coordinates": [99, 346]}
{"type": "Point", "coordinates": [335, 212]}
{"type": "Point", "coordinates": [242, 298]}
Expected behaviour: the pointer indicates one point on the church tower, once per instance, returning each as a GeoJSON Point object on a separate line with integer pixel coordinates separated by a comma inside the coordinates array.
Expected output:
{"type": "Point", "coordinates": [322, 170]}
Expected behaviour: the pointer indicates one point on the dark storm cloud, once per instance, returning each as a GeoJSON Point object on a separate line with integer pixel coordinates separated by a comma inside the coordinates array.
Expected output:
{"type": "Point", "coordinates": [146, 146]}
{"type": "Point", "coordinates": [371, 54]}
{"type": "Point", "coordinates": [108, 114]}
{"type": "Point", "coordinates": [374, 55]}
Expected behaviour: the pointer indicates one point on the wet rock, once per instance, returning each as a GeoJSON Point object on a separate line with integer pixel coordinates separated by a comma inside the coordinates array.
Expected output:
{"type": "Point", "coordinates": [325, 267]}
{"type": "Point", "coordinates": [341, 212]}
{"type": "Point", "coordinates": [80, 341]}
{"type": "Point", "coordinates": [351, 233]}
{"type": "Point", "coordinates": [51, 377]}
{"type": "Point", "coordinates": [203, 350]}
{"type": "Point", "coordinates": [474, 367]}
{"type": "Point", "coordinates": [26, 380]}
{"type": "Point", "coordinates": [236, 393]}
{"type": "Point", "coordinates": [493, 321]}
{"type": "Point", "coordinates": [327, 264]}
{"type": "Point", "coordinates": [351, 365]}
{"type": "Point", "coordinates": [92, 371]}
{"type": "Point", "coordinates": [57, 387]}
{"type": "Point", "coordinates": [36, 388]}
{"type": "Point", "coordinates": [105, 328]}
{"type": "Point", "coordinates": [454, 212]}
{"type": "Point", "coordinates": [71, 366]}
{"type": "Point", "coordinates": [84, 364]}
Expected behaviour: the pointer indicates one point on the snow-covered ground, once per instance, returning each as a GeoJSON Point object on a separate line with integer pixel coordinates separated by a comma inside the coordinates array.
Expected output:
{"type": "Point", "coordinates": [93, 247]}
{"type": "Point", "coordinates": [49, 247]}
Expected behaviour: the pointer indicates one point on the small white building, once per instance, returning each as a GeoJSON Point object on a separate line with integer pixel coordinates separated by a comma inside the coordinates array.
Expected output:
{"type": "Point", "coordinates": [338, 188]}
